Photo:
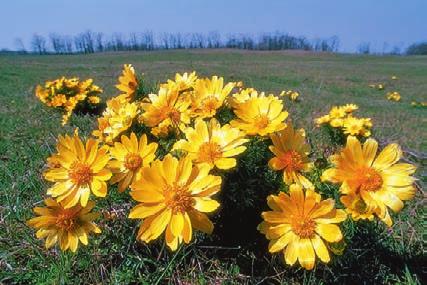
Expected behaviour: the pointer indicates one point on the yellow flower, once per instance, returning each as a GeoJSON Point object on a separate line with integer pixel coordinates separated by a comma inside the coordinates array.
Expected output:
{"type": "Point", "coordinates": [242, 96]}
{"type": "Point", "coordinates": [210, 143]}
{"type": "Point", "coordinates": [94, 99]}
{"type": "Point", "coordinates": [356, 207]}
{"type": "Point", "coordinates": [128, 157]}
{"type": "Point", "coordinates": [322, 120]}
{"type": "Point", "coordinates": [299, 225]}
{"type": "Point", "coordinates": [182, 82]}
{"type": "Point", "coordinates": [337, 112]}
{"type": "Point", "coordinates": [128, 82]}
{"type": "Point", "coordinates": [58, 100]}
{"type": "Point", "coordinates": [117, 118]}
{"type": "Point", "coordinates": [82, 171]}
{"type": "Point", "coordinates": [353, 126]}
{"type": "Point", "coordinates": [208, 96]}
{"type": "Point", "coordinates": [380, 86]}
{"type": "Point", "coordinates": [393, 96]}
{"type": "Point", "coordinates": [291, 150]}
{"type": "Point", "coordinates": [260, 115]}
{"type": "Point", "coordinates": [67, 227]}
{"type": "Point", "coordinates": [349, 108]}
{"type": "Point", "coordinates": [394, 77]}
{"type": "Point", "coordinates": [166, 110]}
{"type": "Point", "coordinates": [336, 123]}
{"type": "Point", "coordinates": [173, 198]}
{"type": "Point", "coordinates": [380, 182]}
{"type": "Point", "coordinates": [42, 93]}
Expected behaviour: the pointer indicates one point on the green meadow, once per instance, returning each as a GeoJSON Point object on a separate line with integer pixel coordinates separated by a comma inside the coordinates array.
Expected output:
{"type": "Point", "coordinates": [28, 133]}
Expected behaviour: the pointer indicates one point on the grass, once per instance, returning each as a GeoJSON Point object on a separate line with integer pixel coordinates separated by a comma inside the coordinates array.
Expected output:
{"type": "Point", "coordinates": [28, 133]}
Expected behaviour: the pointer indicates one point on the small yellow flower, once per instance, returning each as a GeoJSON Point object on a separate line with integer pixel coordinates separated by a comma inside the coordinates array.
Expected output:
{"type": "Point", "coordinates": [394, 77]}
{"type": "Point", "coordinates": [337, 112]}
{"type": "Point", "coordinates": [67, 227]}
{"type": "Point", "coordinates": [128, 157]}
{"type": "Point", "coordinates": [353, 126]}
{"type": "Point", "coordinates": [291, 150]}
{"type": "Point", "coordinates": [173, 198]}
{"type": "Point", "coordinates": [301, 225]}
{"type": "Point", "coordinates": [166, 110]}
{"type": "Point", "coordinates": [128, 82]}
{"type": "Point", "coordinates": [182, 82]}
{"type": "Point", "coordinates": [208, 96]}
{"type": "Point", "coordinates": [349, 108]}
{"type": "Point", "coordinates": [322, 120]}
{"type": "Point", "coordinates": [393, 96]}
{"type": "Point", "coordinates": [210, 143]}
{"type": "Point", "coordinates": [82, 171]}
{"type": "Point", "coordinates": [379, 182]}
{"type": "Point", "coordinates": [94, 100]}
{"type": "Point", "coordinates": [117, 118]}
{"type": "Point", "coordinates": [260, 115]}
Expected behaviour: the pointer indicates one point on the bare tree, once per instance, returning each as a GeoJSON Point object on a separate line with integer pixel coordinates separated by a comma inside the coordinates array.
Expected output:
{"type": "Point", "coordinates": [20, 47]}
{"type": "Point", "coordinates": [38, 44]}
{"type": "Point", "coordinates": [364, 48]}
{"type": "Point", "coordinates": [57, 43]}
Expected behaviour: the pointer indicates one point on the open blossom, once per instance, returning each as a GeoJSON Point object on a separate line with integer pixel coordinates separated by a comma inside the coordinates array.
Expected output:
{"type": "Point", "coordinates": [259, 115]}
{"type": "Point", "coordinates": [291, 150]}
{"type": "Point", "coordinates": [166, 111]}
{"type": "Point", "coordinates": [173, 197]}
{"type": "Point", "coordinates": [300, 225]}
{"type": "Point", "coordinates": [128, 158]}
{"type": "Point", "coordinates": [210, 143]}
{"type": "Point", "coordinates": [371, 184]}
{"type": "Point", "coordinates": [128, 82]}
{"type": "Point", "coordinates": [67, 227]}
{"type": "Point", "coordinates": [81, 170]}
{"type": "Point", "coordinates": [209, 96]}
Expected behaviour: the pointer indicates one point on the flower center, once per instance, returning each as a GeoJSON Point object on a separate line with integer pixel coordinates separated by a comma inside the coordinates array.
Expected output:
{"type": "Point", "coordinates": [133, 161]}
{"type": "Point", "coordinates": [80, 173]}
{"type": "Point", "coordinates": [174, 115]}
{"type": "Point", "coordinates": [292, 161]}
{"type": "Point", "coordinates": [65, 220]}
{"type": "Point", "coordinates": [368, 179]}
{"type": "Point", "coordinates": [210, 104]}
{"type": "Point", "coordinates": [261, 121]}
{"type": "Point", "coordinates": [178, 198]}
{"type": "Point", "coordinates": [304, 228]}
{"type": "Point", "coordinates": [359, 206]}
{"type": "Point", "coordinates": [209, 152]}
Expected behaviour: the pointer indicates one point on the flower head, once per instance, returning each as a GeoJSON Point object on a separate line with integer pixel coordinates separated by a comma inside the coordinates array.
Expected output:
{"type": "Point", "coordinates": [374, 182]}
{"type": "Point", "coordinates": [128, 158]}
{"type": "Point", "coordinates": [291, 150]}
{"type": "Point", "coordinates": [173, 197]}
{"type": "Point", "coordinates": [166, 111]}
{"type": "Point", "coordinates": [208, 96]}
{"type": "Point", "coordinates": [67, 227]}
{"type": "Point", "coordinates": [82, 170]}
{"type": "Point", "coordinates": [210, 143]}
{"type": "Point", "coordinates": [117, 118]}
{"type": "Point", "coordinates": [128, 82]}
{"type": "Point", "coordinates": [260, 115]}
{"type": "Point", "coordinates": [182, 82]}
{"type": "Point", "coordinates": [299, 225]}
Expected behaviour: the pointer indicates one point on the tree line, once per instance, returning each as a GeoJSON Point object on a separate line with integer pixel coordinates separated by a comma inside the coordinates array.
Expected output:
{"type": "Point", "coordinates": [91, 42]}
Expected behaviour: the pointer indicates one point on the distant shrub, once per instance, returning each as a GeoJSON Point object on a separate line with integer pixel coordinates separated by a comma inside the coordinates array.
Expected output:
{"type": "Point", "coordinates": [417, 49]}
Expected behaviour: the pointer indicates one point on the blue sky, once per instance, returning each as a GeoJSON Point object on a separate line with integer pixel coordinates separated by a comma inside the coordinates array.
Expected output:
{"type": "Point", "coordinates": [397, 22]}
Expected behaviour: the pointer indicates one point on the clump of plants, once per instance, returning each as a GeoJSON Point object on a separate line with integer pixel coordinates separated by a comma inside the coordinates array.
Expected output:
{"type": "Point", "coordinates": [199, 154]}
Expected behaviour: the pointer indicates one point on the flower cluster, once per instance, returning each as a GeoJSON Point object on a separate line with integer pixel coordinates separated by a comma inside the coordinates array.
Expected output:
{"type": "Point", "coordinates": [419, 104]}
{"type": "Point", "coordinates": [69, 95]}
{"type": "Point", "coordinates": [173, 148]}
{"type": "Point", "coordinates": [393, 96]}
{"type": "Point", "coordinates": [291, 94]}
{"type": "Point", "coordinates": [341, 118]}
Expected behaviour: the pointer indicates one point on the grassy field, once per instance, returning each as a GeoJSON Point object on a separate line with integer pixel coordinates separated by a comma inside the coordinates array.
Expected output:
{"type": "Point", "coordinates": [28, 133]}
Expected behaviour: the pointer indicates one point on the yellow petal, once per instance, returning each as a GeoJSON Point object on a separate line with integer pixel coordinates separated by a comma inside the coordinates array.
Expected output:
{"type": "Point", "coordinates": [388, 156]}
{"type": "Point", "coordinates": [292, 251]}
{"type": "Point", "coordinates": [306, 254]}
{"type": "Point", "coordinates": [205, 205]}
{"type": "Point", "coordinates": [201, 222]}
{"type": "Point", "coordinates": [177, 224]}
{"type": "Point", "coordinates": [142, 211]}
{"type": "Point", "coordinates": [320, 249]}
{"type": "Point", "coordinates": [329, 232]}
{"type": "Point", "coordinates": [276, 245]}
